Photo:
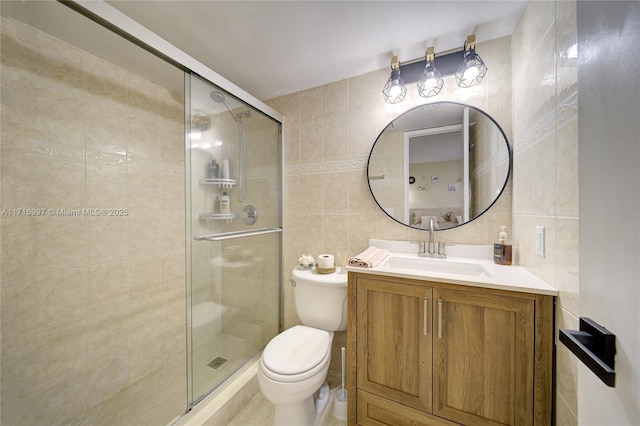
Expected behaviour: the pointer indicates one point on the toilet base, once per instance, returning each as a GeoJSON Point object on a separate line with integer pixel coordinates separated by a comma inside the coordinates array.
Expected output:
{"type": "Point", "coordinates": [295, 414]}
{"type": "Point", "coordinates": [307, 412]}
{"type": "Point", "coordinates": [321, 398]}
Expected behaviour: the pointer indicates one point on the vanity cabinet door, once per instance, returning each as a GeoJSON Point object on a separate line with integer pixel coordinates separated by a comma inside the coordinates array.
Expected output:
{"type": "Point", "coordinates": [394, 332]}
{"type": "Point", "coordinates": [483, 358]}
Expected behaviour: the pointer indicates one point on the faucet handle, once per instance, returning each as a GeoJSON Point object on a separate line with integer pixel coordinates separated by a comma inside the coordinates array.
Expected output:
{"type": "Point", "coordinates": [441, 249]}
{"type": "Point", "coordinates": [420, 246]}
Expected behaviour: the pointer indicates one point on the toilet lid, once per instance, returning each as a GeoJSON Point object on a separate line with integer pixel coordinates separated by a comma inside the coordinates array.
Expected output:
{"type": "Point", "coordinates": [296, 350]}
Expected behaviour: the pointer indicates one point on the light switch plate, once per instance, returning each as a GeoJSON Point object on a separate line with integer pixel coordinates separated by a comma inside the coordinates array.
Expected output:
{"type": "Point", "coordinates": [540, 241]}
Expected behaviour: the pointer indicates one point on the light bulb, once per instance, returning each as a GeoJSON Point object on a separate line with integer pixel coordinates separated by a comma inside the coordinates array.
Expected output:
{"type": "Point", "coordinates": [395, 89]}
{"type": "Point", "coordinates": [430, 82]}
{"type": "Point", "coordinates": [470, 73]}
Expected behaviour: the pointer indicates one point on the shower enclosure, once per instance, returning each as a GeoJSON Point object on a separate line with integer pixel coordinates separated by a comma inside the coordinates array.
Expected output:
{"type": "Point", "coordinates": [234, 246]}
{"type": "Point", "coordinates": [106, 297]}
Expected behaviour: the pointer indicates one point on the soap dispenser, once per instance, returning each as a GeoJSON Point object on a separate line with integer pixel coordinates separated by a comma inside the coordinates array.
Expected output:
{"type": "Point", "coordinates": [502, 249]}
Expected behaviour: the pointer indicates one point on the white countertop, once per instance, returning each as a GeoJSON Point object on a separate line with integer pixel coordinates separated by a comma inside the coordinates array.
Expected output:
{"type": "Point", "coordinates": [501, 277]}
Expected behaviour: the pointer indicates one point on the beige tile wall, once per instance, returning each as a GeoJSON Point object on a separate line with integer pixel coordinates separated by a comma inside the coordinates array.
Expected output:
{"type": "Point", "coordinates": [545, 188]}
{"type": "Point", "coordinates": [328, 133]}
{"type": "Point", "coordinates": [89, 304]}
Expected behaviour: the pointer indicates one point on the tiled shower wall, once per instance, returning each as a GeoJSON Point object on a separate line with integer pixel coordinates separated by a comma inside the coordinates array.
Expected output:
{"type": "Point", "coordinates": [328, 133]}
{"type": "Point", "coordinates": [545, 185]}
{"type": "Point", "coordinates": [90, 304]}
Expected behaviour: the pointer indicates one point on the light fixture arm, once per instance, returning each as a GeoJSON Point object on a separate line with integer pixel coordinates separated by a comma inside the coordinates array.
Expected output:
{"type": "Point", "coordinates": [430, 56]}
{"type": "Point", "coordinates": [470, 42]}
{"type": "Point", "coordinates": [395, 64]}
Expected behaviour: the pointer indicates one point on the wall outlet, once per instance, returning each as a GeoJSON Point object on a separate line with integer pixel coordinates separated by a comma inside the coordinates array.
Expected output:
{"type": "Point", "coordinates": [540, 241]}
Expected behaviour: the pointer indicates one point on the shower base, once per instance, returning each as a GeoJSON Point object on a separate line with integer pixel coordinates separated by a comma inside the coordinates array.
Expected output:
{"type": "Point", "coordinates": [224, 404]}
{"type": "Point", "coordinates": [209, 371]}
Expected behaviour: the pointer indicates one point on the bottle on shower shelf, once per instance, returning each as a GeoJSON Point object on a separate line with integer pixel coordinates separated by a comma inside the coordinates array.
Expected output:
{"type": "Point", "coordinates": [225, 203]}
{"type": "Point", "coordinates": [212, 170]}
{"type": "Point", "coordinates": [224, 172]}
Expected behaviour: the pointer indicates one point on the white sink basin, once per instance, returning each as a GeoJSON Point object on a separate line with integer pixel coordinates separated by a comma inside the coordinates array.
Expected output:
{"type": "Point", "coordinates": [435, 265]}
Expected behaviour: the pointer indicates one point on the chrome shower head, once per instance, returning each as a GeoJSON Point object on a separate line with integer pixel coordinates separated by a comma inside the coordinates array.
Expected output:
{"type": "Point", "coordinates": [217, 97]}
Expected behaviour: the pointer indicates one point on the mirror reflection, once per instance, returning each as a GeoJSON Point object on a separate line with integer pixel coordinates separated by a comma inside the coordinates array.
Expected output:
{"type": "Point", "coordinates": [445, 160]}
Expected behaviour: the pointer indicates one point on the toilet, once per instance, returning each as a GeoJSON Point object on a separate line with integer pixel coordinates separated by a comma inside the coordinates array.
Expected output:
{"type": "Point", "coordinates": [294, 364]}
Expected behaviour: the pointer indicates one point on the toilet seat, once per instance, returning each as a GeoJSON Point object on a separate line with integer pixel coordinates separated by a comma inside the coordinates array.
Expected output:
{"type": "Point", "coordinates": [296, 354]}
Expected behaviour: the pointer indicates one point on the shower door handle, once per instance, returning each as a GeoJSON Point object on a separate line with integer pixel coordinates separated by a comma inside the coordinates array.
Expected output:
{"type": "Point", "coordinates": [236, 234]}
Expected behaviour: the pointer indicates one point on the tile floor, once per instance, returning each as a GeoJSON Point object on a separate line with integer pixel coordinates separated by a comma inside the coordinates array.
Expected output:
{"type": "Point", "coordinates": [259, 412]}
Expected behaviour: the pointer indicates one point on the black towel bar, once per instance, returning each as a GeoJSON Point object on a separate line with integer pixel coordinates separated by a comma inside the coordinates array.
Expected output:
{"type": "Point", "coordinates": [595, 346]}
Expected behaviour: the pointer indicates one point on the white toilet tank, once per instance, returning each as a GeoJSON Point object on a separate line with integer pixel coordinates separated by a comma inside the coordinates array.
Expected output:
{"type": "Point", "coordinates": [321, 299]}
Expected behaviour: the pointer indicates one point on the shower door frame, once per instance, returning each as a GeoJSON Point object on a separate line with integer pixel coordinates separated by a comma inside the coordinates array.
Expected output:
{"type": "Point", "coordinates": [193, 399]}
{"type": "Point", "coordinates": [118, 22]}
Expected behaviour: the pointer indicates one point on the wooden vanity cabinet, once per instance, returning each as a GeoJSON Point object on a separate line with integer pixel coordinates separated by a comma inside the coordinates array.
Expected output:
{"type": "Point", "coordinates": [427, 353]}
{"type": "Point", "coordinates": [394, 354]}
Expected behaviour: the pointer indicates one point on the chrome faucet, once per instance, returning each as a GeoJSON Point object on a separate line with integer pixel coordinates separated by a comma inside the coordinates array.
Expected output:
{"type": "Point", "coordinates": [428, 249]}
{"type": "Point", "coordinates": [432, 224]}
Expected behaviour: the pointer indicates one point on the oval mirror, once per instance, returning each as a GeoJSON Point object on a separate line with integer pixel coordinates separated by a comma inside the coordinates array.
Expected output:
{"type": "Point", "coordinates": [445, 160]}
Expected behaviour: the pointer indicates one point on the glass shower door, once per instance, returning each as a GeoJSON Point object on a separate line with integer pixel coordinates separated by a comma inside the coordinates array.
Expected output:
{"type": "Point", "coordinates": [233, 261]}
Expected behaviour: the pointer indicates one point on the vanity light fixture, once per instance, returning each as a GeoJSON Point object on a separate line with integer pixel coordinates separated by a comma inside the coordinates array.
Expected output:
{"type": "Point", "coordinates": [394, 91]}
{"type": "Point", "coordinates": [431, 81]}
{"type": "Point", "coordinates": [472, 69]}
{"type": "Point", "coordinates": [465, 64]}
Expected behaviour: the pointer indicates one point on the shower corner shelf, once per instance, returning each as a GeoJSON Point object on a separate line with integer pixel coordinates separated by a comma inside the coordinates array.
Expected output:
{"type": "Point", "coordinates": [218, 216]}
{"type": "Point", "coordinates": [222, 183]}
